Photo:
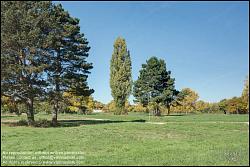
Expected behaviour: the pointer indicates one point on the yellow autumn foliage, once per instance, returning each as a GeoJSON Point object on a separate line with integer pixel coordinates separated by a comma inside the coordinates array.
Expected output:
{"type": "Point", "coordinates": [79, 103]}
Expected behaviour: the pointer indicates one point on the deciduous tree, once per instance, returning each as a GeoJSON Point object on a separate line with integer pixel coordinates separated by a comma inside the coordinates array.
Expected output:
{"type": "Point", "coordinates": [120, 75]}
{"type": "Point", "coordinates": [245, 94]}
{"type": "Point", "coordinates": [189, 100]}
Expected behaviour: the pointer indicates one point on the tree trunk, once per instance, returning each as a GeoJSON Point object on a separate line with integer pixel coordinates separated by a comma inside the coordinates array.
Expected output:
{"type": "Point", "coordinates": [154, 113]}
{"type": "Point", "coordinates": [157, 112]}
{"type": "Point", "coordinates": [120, 108]}
{"type": "Point", "coordinates": [57, 90]}
{"type": "Point", "coordinates": [168, 109]}
{"type": "Point", "coordinates": [30, 112]}
{"type": "Point", "coordinates": [56, 104]}
{"type": "Point", "coordinates": [54, 114]}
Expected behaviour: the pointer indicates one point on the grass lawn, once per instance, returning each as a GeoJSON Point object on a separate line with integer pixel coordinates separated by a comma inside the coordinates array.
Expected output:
{"type": "Point", "coordinates": [136, 139]}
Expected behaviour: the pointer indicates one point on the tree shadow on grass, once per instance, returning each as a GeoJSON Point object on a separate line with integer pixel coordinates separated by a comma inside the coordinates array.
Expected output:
{"type": "Point", "coordinates": [8, 116]}
{"type": "Point", "coordinates": [71, 123]}
{"type": "Point", "coordinates": [66, 123]}
{"type": "Point", "coordinates": [173, 115]}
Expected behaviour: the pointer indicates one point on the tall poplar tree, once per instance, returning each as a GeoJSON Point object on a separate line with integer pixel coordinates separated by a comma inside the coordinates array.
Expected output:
{"type": "Point", "coordinates": [120, 75]}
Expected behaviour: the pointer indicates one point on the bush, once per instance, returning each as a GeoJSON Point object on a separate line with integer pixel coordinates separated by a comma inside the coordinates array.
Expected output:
{"type": "Point", "coordinates": [22, 122]}
{"type": "Point", "coordinates": [139, 108]}
{"type": "Point", "coordinates": [4, 108]}
{"type": "Point", "coordinates": [44, 123]}
{"type": "Point", "coordinates": [130, 108]}
{"type": "Point", "coordinates": [110, 107]}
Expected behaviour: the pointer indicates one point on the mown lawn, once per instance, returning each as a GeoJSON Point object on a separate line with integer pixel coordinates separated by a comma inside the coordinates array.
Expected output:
{"type": "Point", "coordinates": [135, 139]}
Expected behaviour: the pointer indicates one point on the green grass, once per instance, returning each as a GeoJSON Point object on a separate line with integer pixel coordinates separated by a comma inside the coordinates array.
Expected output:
{"type": "Point", "coordinates": [202, 139]}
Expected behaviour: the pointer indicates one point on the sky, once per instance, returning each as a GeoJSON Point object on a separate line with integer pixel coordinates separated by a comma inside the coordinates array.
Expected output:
{"type": "Point", "coordinates": [205, 44]}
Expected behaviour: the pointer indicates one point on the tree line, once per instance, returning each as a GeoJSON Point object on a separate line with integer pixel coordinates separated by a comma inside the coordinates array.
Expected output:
{"type": "Point", "coordinates": [155, 92]}
{"type": "Point", "coordinates": [44, 68]}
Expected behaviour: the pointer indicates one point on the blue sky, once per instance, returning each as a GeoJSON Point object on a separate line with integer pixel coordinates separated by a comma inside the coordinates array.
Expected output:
{"type": "Point", "coordinates": [204, 44]}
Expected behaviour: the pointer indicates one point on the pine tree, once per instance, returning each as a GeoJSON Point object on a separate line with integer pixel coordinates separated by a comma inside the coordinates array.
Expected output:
{"type": "Point", "coordinates": [154, 86]}
{"type": "Point", "coordinates": [68, 69]}
{"type": "Point", "coordinates": [120, 75]}
{"type": "Point", "coordinates": [24, 33]}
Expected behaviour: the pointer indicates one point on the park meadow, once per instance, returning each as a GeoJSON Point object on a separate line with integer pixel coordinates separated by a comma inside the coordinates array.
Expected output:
{"type": "Point", "coordinates": [50, 116]}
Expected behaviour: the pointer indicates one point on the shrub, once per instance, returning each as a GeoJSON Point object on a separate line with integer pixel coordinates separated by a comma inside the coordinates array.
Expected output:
{"type": "Point", "coordinates": [22, 122]}
{"type": "Point", "coordinates": [4, 108]}
{"type": "Point", "coordinates": [139, 108]}
{"type": "Point", "coordinates": [44, 123]}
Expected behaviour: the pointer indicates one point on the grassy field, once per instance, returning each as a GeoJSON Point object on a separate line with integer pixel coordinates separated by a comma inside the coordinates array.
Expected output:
{"type": "Point", "coordinates": [136, 139]}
